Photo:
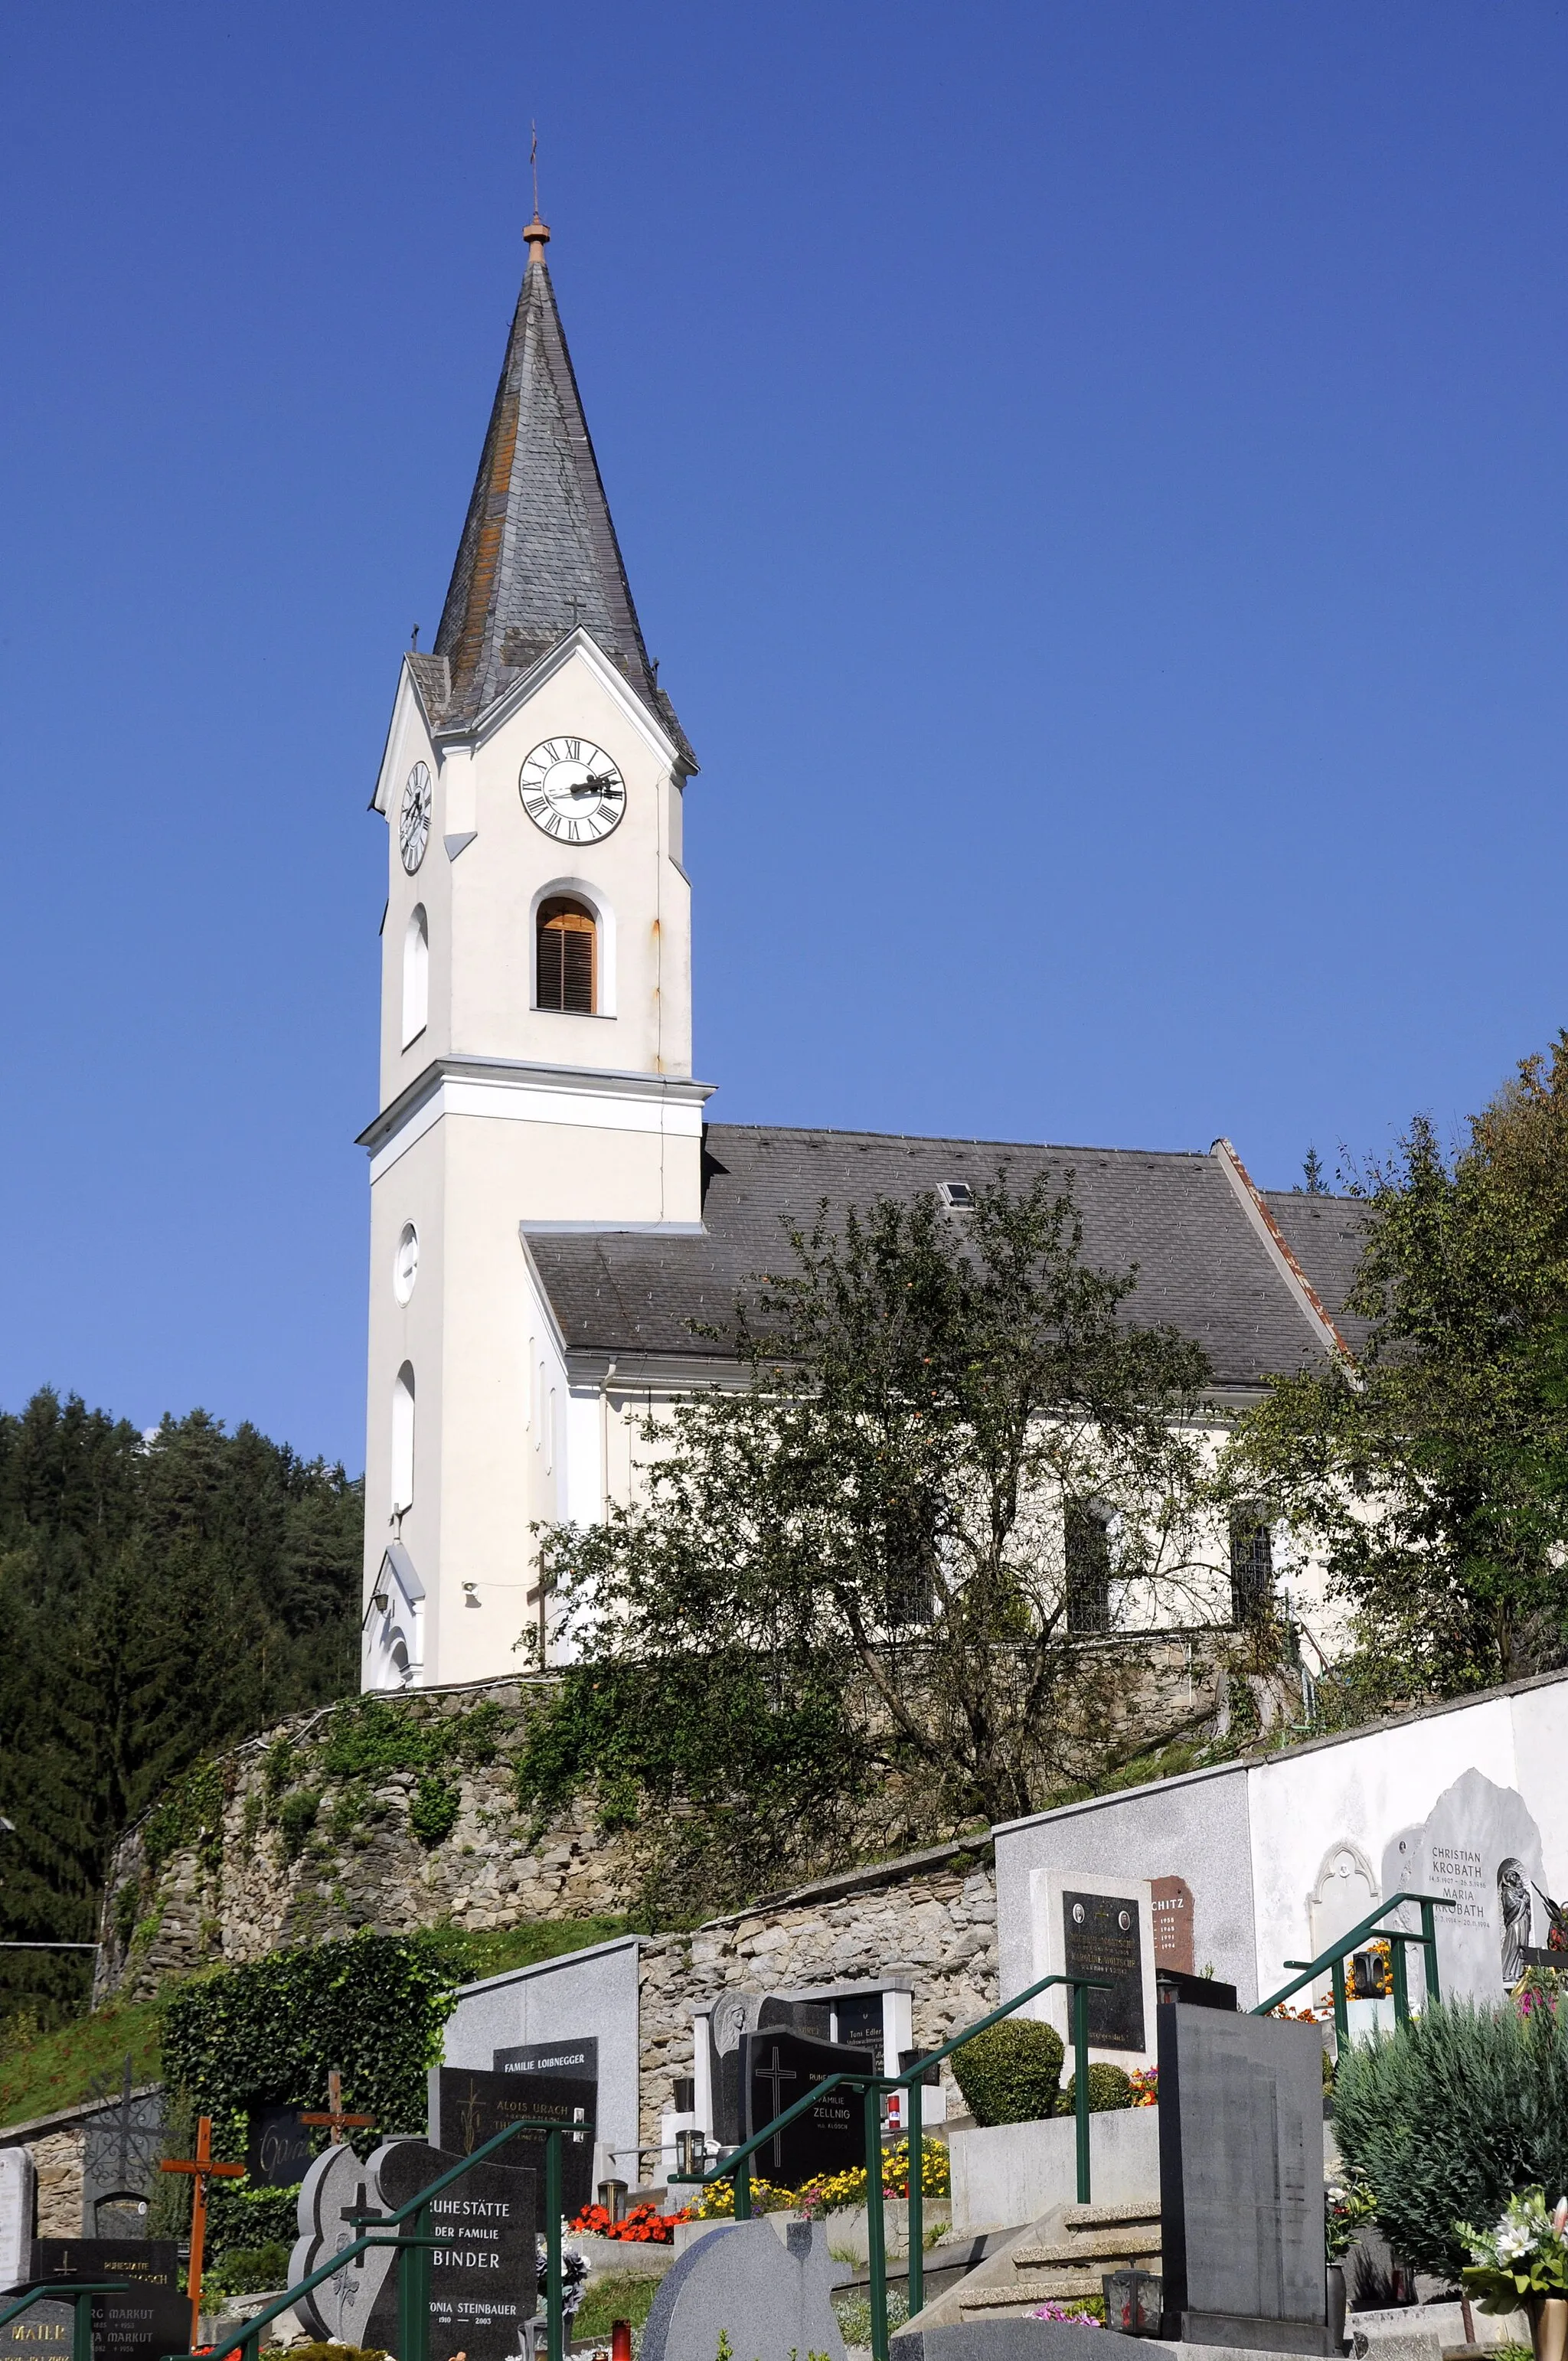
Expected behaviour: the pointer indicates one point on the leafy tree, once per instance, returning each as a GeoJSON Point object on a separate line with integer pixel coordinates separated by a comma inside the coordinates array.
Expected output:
{"type": "Point", "coordinates": [1435, 1472]}
{"type": "Point", "coordinates": [160, 1598]}
{"type": "Point", "coordinates": [862, 1571]}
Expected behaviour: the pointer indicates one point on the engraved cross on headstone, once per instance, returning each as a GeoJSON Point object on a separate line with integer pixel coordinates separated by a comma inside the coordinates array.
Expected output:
{"type": "Point", "coordinates": [778, 2076]}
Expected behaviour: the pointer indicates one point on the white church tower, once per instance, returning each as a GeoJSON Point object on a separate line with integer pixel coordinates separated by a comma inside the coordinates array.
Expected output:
{"type": "Point", "coordinates": [535, 1023]}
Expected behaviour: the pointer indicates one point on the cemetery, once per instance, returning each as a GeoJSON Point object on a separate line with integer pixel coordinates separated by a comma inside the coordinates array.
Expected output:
{"type": "Point", "coordinates": [1126, 2066]}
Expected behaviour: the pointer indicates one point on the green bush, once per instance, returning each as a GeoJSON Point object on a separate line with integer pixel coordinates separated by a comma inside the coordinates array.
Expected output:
{"type": "Point", "coordinates": [249, 2270]}
{"type": "Point", "coordinates": [433, 1812]}
{"type": "Point", "coordinates": [297, 1818]}
{"type": "Point", "coordinates": [1109, 2089]}
{"type": "Point", "coordinates": [243, 2221]}
{"type": "Point", "coordinates": [1010, 2073]}
{"type": "Point", "coordinates": [1446, 2118]}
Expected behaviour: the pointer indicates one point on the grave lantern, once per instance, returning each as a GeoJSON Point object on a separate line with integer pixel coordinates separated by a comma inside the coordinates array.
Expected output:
{"type": "Point", "coordinates": [613, 2197]}
{"type": "Point", "coordinates": [1133, 2300]}
{"type": "Point", "coordinates": [691, 2152]}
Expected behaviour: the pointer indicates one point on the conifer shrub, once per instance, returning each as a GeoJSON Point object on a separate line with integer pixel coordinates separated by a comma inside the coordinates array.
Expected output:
{"type": "Point", "coordinates": [1447, 2118]}
{"type": "Point", "coordinates": [1109, 2089]}
{"type": "Point", "coordinates": [1010, 2072]}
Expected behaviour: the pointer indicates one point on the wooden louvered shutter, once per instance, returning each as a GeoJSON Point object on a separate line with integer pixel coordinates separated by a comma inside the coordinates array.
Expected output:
{"type": "Point", "coordinates": [567, 948]}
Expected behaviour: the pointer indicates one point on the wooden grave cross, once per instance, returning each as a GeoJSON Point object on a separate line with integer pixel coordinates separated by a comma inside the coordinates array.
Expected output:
{"type": "Point", "coordinates": [201, 2169]}
{"type": "Point", "coordinates": [334, 2114]}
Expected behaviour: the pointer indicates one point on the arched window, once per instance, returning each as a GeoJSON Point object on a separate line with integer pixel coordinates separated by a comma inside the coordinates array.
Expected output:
{"type": "Point", "coordinates": [568, 956]}
{"type": "Point", "coordinates": [403, 1439]}
{"type": "Point", "coordinates": [416, 975]}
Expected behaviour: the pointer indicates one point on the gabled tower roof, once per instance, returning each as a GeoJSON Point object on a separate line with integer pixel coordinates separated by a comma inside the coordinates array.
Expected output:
{"type": "Point", "coordinates": [539, 553]}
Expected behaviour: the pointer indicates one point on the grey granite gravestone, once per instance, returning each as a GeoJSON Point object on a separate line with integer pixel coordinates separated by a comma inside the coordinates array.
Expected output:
{"type": "Point", "coordinates": [18, 2188]}
{"type": "Point", "coordinates": [145, 2317]}
{"type": "Point", "coordinates": [469, 2106]}
{"type": "Point", "coordinates": [778, 2068]}
{"type": "Point", "coordinates": [278, 2152]}
{"type": "Point", "coordinates": [1481, 1846]}
{"type": "Point", "coordinates": [1241, 2179]}
{"type": "Point", "coordinates": [1102, 1937]}
{"type": "Point", "coordinates": [771, 2299]}
{"type": "Point", "coordinates": [337, 2185]}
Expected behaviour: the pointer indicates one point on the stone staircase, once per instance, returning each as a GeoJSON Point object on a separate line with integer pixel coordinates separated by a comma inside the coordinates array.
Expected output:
{"type": "Point", "coordinates": [1095, 2239]}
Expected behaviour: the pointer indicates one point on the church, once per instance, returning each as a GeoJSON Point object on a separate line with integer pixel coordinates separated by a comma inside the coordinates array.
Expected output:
{"type": "Point", "coordinates": [551, 1207]}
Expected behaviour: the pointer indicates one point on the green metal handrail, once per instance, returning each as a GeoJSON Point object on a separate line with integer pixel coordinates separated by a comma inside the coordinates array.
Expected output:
{"type": "Point", "coordinates": [413, 2250]}
{"type": "Point", "coordinates": [1398, 1942]}
{"type": "Point", "coordinates": [81, 2296]}
{"type": "Point", "coordinates": [736, 2165]}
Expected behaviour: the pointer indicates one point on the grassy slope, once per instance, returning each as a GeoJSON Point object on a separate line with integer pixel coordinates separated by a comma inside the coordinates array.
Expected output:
{"type": "Point", "coordinates": [88, 2056]}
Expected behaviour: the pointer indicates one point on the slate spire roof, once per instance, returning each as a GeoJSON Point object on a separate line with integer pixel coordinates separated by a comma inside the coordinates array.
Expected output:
{"type": "Point", "coordinates": [539, 554]}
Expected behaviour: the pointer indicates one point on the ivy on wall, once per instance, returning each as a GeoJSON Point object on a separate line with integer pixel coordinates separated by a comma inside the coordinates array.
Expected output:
{"type": "Point", "coordinates": [372, 2006]}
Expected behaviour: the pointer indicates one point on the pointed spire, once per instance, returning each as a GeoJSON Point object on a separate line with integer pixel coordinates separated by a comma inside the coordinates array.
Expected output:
{"type": "Point", "coordinates": [539, 553]}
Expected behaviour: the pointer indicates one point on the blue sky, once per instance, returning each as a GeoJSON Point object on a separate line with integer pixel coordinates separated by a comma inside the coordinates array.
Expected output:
{"type": "Point", "coordinates": [1093, 476]}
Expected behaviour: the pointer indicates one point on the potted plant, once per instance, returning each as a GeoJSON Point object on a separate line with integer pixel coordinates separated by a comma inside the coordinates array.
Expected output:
{"type": "Point", "coordinates": [1522, 2266]}
{"type": "Point", "coordinates": [1347, 2204]}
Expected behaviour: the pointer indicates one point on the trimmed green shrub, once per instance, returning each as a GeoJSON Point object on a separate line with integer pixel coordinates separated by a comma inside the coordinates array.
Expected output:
{"type": "Point", "coordinates": [246, 2221]}
{"type": "Point", "coordinates": [1446, 2118]}
{"type": "Point", "coordinates": [1010, 2073]}
{"type": "Point", "coordinates": [249, 2270]}
{"type": "Point", "coordinates": [1109, 2089]}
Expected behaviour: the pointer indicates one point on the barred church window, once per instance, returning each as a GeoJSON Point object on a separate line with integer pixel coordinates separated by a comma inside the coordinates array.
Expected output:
{"type": "Point", "coordinates": [416, 975]}
{"type": "Point", "coordinates": [1252, 1565]}
{"type": "Point", "coordinates": [568, 948]}
{"type": "Point", "coordinates": [1088, 1571]}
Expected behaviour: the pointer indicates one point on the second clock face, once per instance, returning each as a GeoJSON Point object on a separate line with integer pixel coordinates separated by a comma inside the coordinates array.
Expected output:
{"type": "Point", "coordinates": [572, 790]}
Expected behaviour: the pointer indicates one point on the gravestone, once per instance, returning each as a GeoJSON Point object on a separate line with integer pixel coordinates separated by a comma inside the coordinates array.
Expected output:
{"type": "Point", "coordinates": [120, 2152]}
{"type": "Point", "coordinates": [733, 2016]}
{"type": "Point", "coordinates": [144, 2318]}
{"type": "Point", "coordinates": [778, 2068]}
{"type": "Point", "coordinates": [771, 2299]}
{"type": "Point", "coordinates": [1481, 1846]}
{"type": "Point", "coordinates": [1084, 1923]}
{"type": "Point", "coordinates": [18, 2190]}
{"type": "Point", "coordinates": [1102, 1937]}
{"type": "Point", "coordinates": [483, 2271]}
{"type": "Point", "coordinates": [336, 2186]}
{"type": "Point", "coordinates": [278, 2152]}
{"type": "Point", "coordinates": [1241, 2178]}
{"type": "Point", "coordinates": [1171, 1912]}
{"type": "Point", "coordinates": [469, 2106]}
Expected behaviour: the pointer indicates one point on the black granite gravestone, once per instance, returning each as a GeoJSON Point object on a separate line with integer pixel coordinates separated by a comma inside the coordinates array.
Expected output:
{"type": "Point", "coordinates": [777, 2067]}
{"type": "Point", "coordinates": [735, 2015]}
{"type": "Point", "coordinates": [1102, 1937]}
{"type": "Point", "coordinates": [145, 2318]}
{"type": "Point", "coordinates": [468, 2105]}
{"type": "Point", "coordinates": [483, 2276]}
{"type": "Point", "coordinates": [1241, 2179]}
{"type": "Point", "coordinates": [278, 2147]}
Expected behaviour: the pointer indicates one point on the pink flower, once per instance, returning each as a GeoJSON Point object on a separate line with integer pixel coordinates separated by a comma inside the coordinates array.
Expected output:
{"type": "Point", "coordinates": [1560, 2219]}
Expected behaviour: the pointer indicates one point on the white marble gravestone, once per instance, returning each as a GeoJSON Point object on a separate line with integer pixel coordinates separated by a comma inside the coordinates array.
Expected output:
{"type": "Point", "coordinates": [1481, 1846]}
{"type": "Point", "coordinates": [17, 2185]}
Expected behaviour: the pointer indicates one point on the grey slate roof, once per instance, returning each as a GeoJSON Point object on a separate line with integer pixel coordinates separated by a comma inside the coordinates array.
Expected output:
{"type": "Point", "coordinates": [538, 554]}
{"type": "Point", "coordinates": [1326, 1236]}
{"type": "Point", "coordinates": [1202, 1266]}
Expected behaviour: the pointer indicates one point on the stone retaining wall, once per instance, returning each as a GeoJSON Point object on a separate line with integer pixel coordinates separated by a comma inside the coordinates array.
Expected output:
{"type": "Point", "coordinates": [932, 1914]}
{"type": "Point", "coordinates": [225, 1869]}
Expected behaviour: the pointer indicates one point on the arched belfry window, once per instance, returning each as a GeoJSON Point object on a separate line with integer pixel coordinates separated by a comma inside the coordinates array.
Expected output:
{"type": "Point", "coordinates": [567, 955]}
{"type": "Point", "coordinates": [416, 975]}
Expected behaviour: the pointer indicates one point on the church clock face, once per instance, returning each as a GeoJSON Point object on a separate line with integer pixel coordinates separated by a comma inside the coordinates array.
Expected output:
{"type": "Point", "coordinates": [572, 790]}
{"type": "Point", "coordinates": [413, 823]}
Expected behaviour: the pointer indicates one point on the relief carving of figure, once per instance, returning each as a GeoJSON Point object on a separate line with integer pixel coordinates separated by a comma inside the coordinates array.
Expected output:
{"type": "Point", "coordinates": [1513, 1897]}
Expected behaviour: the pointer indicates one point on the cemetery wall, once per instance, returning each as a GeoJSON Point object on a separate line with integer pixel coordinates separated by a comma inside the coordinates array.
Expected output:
{"type": "Point", "coordinates": [931, 1916]}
